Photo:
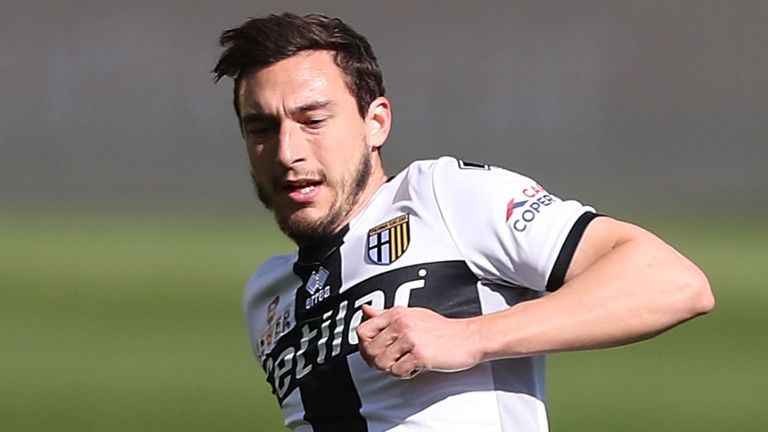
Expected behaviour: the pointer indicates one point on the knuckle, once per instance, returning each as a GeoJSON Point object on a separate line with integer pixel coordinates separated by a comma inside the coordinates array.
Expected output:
{"type": "Point", "coordinates": [382, 364]}
{"type": "Point", "coordinates": [418, 353]}
{"type": "Point", "coordinates": [399, 311]}
{"type": "Point", "coordinates": [403, 323]}
{"type": "Point", "coordinates": [365, 349]}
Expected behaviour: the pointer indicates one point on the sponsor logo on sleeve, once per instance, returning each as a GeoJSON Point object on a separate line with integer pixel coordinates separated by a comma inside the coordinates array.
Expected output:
{"type": "Point", "coordinates": [526, 211]}
{"type": "Point", "coordinates": [533, 191]}
{"type": "Point", "coordinates": [388, 241]}
{"type": "Point", "coordinates": [512, 205]}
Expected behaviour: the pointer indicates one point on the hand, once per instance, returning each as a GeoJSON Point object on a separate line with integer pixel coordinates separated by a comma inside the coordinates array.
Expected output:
{"type": "Point", "coordinates": [404, 341]}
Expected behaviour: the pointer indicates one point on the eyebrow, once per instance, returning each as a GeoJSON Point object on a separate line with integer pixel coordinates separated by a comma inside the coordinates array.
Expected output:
{"type": "Point", "coordinates": [256, 117]}
{"type": "Point", "coordinates": [311, 106]}
{"type": "Point", "coordinates": [304, 108]}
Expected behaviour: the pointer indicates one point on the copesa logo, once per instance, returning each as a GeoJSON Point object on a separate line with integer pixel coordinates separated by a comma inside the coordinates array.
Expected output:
{"type": "Point", "coordinates": [539, 198]}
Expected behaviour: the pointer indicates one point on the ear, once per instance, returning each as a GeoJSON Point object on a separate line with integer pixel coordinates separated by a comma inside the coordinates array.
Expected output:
{"type": "Point", "coordinates": [378, 122]}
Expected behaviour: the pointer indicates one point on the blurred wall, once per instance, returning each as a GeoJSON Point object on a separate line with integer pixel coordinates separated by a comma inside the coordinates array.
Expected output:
{"type": "Point", "coordinates": [659, 104]}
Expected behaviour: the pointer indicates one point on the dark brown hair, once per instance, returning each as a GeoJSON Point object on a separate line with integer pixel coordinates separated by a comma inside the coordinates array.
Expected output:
{"type": "Point", "coordinates": [260, 42]}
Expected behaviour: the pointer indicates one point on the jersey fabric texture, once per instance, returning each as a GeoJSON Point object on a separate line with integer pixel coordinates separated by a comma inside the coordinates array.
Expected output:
{"type": "Point", "coordinates": [462, 239]}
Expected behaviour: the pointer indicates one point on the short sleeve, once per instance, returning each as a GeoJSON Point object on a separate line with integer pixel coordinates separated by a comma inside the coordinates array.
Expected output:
{"type": "Point", "coordinates": [508, 227]}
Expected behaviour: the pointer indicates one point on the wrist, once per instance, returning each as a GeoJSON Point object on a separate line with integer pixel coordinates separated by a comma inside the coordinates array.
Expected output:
{"type": "Point", "coordinates": [495, 338]}
{"type": "Point", "coordinates": [481, 343]}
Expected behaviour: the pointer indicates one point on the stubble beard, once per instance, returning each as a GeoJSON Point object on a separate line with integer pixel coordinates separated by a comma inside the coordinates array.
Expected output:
{"type": "Point", "coordinates": [304, 231]}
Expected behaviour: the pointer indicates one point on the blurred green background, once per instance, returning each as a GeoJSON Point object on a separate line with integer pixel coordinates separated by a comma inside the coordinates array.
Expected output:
{"type": "Point", "coordinates": [127, 321]}
{"type": "Point", "coordinates": [128, 225]}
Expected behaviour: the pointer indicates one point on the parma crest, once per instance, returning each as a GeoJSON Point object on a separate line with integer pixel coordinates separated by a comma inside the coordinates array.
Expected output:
{"type": "Point", "coordinates": [388, 241]}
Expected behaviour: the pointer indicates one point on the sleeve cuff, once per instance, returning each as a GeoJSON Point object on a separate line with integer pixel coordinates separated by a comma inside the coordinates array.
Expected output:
{"type": "Point", "coordinates": [563, 261]}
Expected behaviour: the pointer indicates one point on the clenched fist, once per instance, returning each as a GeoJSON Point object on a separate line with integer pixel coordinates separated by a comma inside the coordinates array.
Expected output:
{"type": "Point", "coordinates": [404, 341]}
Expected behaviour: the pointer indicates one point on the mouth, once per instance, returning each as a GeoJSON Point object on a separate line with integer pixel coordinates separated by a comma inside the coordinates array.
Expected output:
{"type": "Point", "coordinates": [302, 190]}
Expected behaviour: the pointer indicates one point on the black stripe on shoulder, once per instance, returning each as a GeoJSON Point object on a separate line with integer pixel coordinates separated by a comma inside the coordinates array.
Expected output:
{"type": "Point", "coordinates": [563, 261]}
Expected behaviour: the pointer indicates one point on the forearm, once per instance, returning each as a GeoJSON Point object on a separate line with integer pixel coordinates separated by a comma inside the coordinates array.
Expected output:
{"type": "Point", "coordinates": [637, 290]}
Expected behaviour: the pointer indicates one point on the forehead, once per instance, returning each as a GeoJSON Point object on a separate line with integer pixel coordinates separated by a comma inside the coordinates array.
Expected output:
{"type": "Point", "coordinates": [303, 78]}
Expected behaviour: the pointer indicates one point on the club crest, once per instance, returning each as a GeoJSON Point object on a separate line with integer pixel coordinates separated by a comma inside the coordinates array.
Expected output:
{"type": "Point", "coordinates": [388, 241]}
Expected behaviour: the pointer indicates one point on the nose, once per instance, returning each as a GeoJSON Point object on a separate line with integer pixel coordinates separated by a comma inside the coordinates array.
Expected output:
{"type": "Point", "coordinates": [290, 146]}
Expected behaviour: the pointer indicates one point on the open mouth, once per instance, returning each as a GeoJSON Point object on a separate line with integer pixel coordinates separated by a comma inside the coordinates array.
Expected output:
{"type": "Point", "coordinates": [302, 190]}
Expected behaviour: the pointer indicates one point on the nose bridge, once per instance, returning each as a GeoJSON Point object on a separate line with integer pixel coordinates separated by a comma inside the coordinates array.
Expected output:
{"type": "Point", "coordinates": [289, 144]}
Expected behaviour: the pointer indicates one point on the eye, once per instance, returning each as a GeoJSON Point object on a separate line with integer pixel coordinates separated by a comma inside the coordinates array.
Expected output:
{"type": "Point", "coordinates": [257, 130]}
{"type": "Point", "coordinates": [315, 123]}
{"type": "Point", "coordinates": [261, 129]}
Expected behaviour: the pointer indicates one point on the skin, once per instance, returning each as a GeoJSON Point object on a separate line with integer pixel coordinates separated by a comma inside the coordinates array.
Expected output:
{"type": "Point", "coordinates": [310, 150]}
{"type": "Point", "coordinates": [314, 159]}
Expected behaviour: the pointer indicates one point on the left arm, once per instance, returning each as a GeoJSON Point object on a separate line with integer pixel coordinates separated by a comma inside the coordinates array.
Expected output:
{"type": "Point", "coordinates": [623, 285]}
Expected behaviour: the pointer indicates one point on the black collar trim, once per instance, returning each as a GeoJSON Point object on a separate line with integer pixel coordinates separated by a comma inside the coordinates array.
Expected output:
{"type": "Point", "coordinates": [317, 251]}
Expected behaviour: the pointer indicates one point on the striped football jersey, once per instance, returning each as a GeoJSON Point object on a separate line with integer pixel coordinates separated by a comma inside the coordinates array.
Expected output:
{"type": "Point", "coordinates": [460, 238]}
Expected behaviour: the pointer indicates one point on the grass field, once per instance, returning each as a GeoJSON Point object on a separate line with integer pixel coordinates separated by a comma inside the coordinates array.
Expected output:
{"type": "Point", "coordinates": [132, 322]}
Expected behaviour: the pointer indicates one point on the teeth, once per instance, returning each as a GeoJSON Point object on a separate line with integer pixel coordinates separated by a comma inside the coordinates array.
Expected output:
{"type": "Point", "coordinates": [307, 189]}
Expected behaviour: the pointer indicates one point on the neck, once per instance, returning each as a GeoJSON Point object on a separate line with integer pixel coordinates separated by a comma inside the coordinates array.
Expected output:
{"type": "Point", "coordinates": [377, 179]}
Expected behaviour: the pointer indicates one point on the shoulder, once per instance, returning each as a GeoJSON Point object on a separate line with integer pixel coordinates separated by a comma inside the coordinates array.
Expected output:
{"type": "Point", "coordinates": [455, 182]}
{"type": "Point", "coordinates": [456, 172]}
{"type": "Point", "coordinates": [448, 172]}
{"type": "Point", "coordinates": [272, 265]}
{"type": "Point", "coordinates": [456, 189]}
{"type": "Point", "coordinates": [270, 273]}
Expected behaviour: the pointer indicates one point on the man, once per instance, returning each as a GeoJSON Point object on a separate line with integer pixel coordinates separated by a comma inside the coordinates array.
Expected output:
{"type": "Point", "coordinates": [417, 302]}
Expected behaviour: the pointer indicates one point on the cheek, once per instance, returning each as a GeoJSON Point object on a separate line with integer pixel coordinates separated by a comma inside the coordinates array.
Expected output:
{"type": "Point", "coordinates": [346, 154]}
{"type": "Point", "coordinates": [261, 171]}
{"type": "Point", "coordinates": [257, 157]}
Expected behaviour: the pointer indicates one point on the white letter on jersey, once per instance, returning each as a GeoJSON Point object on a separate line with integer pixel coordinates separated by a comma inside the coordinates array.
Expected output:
{"type": "Point", "coordinates": [323, 337]}
{"type": "Point", "coordinates": [375, 299]}
{"type": "Point", "coordinates": [338, 331]}
{"type": "Point", "coordinates": [286, 358]}
{"type": "Point", "coordinates": [403, 292]}
{"type": "Point", "coordinates": [306, 335]}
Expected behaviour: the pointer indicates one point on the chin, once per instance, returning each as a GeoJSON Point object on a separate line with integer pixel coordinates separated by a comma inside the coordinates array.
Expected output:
{"type": "Point", "coordinates": [309, 224]}
{"type": "Point", "coordinates": [306, 216]}
{"type": "Point", "coordinates": [300, 221]}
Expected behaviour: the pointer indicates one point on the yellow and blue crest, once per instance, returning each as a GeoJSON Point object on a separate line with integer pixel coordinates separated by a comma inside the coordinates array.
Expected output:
{"type": "Point", "coordinates": [388, 241]}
